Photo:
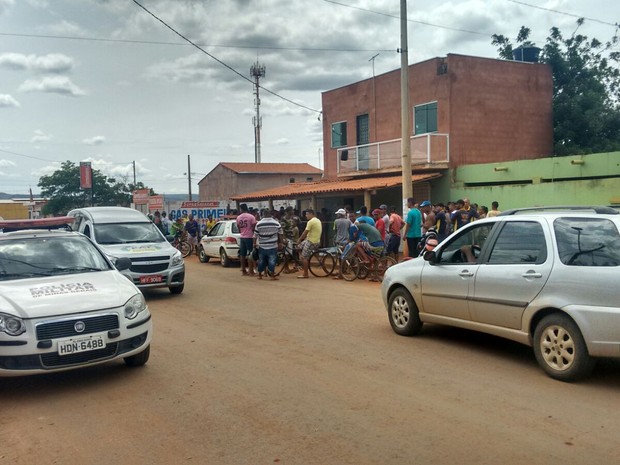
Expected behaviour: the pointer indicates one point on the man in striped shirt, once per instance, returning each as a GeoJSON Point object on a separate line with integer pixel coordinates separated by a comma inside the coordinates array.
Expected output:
{"type": "Point", "coordinates": [268, 234]}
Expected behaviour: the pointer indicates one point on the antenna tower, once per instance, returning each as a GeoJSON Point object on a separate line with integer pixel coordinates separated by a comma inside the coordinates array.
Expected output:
{"type": "Point", "coordinates": [257, 71]}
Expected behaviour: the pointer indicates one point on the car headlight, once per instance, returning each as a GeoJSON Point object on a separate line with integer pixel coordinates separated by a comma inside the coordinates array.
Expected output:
{"type": "Point", "coordinates": [11, 325]}
{"type": "Point", "coordinates": [177, 259]}
{"type": "Point", "coordinates": [134, 306]}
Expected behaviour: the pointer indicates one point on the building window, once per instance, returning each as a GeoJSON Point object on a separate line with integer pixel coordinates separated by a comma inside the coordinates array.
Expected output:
{"type": "Point", "coordinates": [425, 118]}
{"type": "Point", "coordinates": [339, 134]}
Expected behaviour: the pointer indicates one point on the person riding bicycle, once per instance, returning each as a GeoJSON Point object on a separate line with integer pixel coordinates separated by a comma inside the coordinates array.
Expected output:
{"type": "Point", "coordinates": [176, 228]}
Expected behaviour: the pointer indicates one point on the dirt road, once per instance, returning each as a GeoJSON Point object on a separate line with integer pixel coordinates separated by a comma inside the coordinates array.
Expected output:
{"type": "Point", "coordinates": [307, 372]}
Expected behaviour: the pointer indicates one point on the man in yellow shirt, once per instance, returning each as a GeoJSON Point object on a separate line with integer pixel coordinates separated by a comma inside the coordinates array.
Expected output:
{"type": "Point", "coordinates": [309, 240]}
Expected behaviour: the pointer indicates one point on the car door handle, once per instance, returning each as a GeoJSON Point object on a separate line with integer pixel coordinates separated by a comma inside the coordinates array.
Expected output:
{"type": "Point", "coordinates": [466, 274]}
{"type": "Point", "coordinates": [532, 274]}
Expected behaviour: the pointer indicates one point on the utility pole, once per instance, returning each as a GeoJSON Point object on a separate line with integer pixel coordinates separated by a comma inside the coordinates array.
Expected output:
{"type": "Point", "coordinates": [134, 173]}
{"type": "Point", "coordinates": [257, 71]}
{"type": "Point", "coordinates": [404, 105]}
{"type": "Point", "coordinates": [189, 179]}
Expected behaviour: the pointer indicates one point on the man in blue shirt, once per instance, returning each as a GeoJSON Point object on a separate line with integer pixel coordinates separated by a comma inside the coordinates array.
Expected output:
{"type": "Point", "coordinates": [413, 227]}
{"type": "Point", "coordinates": [363, 216]}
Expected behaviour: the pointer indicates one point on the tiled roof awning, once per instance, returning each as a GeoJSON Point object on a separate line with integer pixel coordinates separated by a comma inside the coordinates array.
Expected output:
{"type": "Point", "coordinates": [309, 189]}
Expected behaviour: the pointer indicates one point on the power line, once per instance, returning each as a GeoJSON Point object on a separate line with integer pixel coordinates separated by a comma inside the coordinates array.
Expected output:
{"type": "Point", "coordinates": [26, 156]}
{"type": "Point", "coordinates": [459, 29]}
{"type": "Point", "coordinates": [563, 13]}
{"type": "Point", "coordinates": [152, 42]}
{"type": "Point", "coordinates": [409, 20]}
{"type": "Point", "coordinates": [221, 62]}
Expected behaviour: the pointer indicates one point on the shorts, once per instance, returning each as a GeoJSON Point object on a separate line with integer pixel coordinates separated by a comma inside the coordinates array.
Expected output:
{"type": "Point", "coordinates": [308, 248]}
{"type": "Point", "coordinates": [246, 244]}
{"type": "Point", "coordinates": [193, 240]}
{"type": "Point", "coordinates": [393, 244]}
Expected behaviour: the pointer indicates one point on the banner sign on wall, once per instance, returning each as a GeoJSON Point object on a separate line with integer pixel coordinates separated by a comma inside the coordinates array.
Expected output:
{"type": "Point", "coordinates": [200, 210]}
{"type": "Point", "coordinates": [141, 196]}
{"type": "Point", "coordinates": [156, 202]}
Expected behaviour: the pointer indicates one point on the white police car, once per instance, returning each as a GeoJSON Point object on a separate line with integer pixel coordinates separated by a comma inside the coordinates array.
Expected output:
{"type": "Point", "coordinates": [63, 304]}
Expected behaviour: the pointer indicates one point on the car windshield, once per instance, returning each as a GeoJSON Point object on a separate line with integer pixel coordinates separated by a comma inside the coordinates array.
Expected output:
{"type": "Point", "coordinates": [127, 233]}
{"type": "Point", "coordinates": [22, 258]}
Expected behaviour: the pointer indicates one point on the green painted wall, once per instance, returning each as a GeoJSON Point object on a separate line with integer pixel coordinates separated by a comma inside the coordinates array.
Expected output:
{"type": "Point", "coordinates": [574, 180]}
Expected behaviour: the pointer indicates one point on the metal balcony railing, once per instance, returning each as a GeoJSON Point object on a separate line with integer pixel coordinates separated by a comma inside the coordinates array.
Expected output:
{"type": "Point", "coordinates": [425, 149]}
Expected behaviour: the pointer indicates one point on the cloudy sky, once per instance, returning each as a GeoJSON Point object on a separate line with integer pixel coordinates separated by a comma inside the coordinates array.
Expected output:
{"type": "Point", "coordinates": [106, 82]}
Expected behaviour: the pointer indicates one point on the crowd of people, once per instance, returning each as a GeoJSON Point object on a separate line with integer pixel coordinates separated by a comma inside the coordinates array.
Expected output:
{"type": "Point", "coordinates": [264, 232]}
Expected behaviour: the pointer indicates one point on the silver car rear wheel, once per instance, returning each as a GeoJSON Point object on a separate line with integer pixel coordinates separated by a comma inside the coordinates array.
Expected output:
{"type": "Point", "coordinates": [560, 348]}
{"type": "Point", "coordinates": [403, 313]}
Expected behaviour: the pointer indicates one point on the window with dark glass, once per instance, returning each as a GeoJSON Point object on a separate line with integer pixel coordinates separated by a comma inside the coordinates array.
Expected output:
{"type": "Point", "coordinates": [339, 134]}
{"type": "Point", "coordinates": [425, 118]}
{"type": "Point", "coordinates": [519, 242]}
{"type": "Point", "coordinates": [587, 241]}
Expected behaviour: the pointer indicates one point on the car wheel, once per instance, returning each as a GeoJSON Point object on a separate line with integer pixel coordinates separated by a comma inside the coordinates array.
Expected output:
{"type": "Point", "coordinates": [560, 349]}
{"type": "Point", "coordinates": [224, 260]}
{"type": "Point", "coordinates": [202, 256]}
{"type": "Point", "coordinates": [176, 289]}
{"type": "Point", "coordinates": [139, 359]}
{"type": "Point", "coordinates": [403, 313]}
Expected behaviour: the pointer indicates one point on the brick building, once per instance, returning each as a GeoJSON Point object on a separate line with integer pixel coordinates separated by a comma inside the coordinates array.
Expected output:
{"type": "Point", "coordinates": [227, 180]}
{"type": "Point", "coordinates": [464, 110]}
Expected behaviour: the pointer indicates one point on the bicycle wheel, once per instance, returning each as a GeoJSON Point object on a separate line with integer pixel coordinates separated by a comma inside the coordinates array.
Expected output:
{"type": "Point", "coordinates": [281, 260]}
{"type": "Point", "coordinates": [381, 265]}
{"type": "Point", "coordinates": [349, 268]}
{"type": "Point", "coordinates": [322, 263]}
{"type": "Point", "coordinates": [185, 248]}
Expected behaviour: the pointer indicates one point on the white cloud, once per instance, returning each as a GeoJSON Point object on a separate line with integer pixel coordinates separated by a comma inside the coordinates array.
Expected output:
{"type": "Point", "coordinates": [52, 84]}
{"type": "Point", "coordinates": [46, 170]}
{"type": "Point", "coordinates": [5, 5]}
{"type": "Point", "coordinates": [97, 140]}
{"type": "Point", "coordinates": [7, 164]}
{"type": "Point", "coordinates": [55, 63]}
{"type": "Point", "coordinates": [282, 141]}
{"type": "Point", "coordinates": [66, 28]}
{"type": "Point", "coordinates": [8, 101]}
{"type": "Point", "coordinates": [40, 136]}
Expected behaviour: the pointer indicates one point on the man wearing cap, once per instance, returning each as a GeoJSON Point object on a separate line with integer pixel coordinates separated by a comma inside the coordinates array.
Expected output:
{"type": "Point", "coordinates": [362, 216]}
{"type": "Point", "coordinates": [379, 223]}
{"type": "Point", "coordinates": [385, 215]}
{"type": "Point", "coordinates": [341, 226]}
{"type": "Point", "coordinates": [428, 216]}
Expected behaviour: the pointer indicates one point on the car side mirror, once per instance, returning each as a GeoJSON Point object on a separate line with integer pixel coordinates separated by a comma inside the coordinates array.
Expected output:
{"type": "Point", "coordinates": [430, 256]}
{"type": "Point", "coordinates": [170, 238]}
{"type": "Point", "coordinates": [123, 263]}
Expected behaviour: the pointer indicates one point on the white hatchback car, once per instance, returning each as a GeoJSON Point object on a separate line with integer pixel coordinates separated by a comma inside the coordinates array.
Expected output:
{"type": "Point", "coordinates": [547, 278]}
{"type": "Point", "coordinates": [222, 241]}
{"type": "Point", "coordinates": [63, 304]}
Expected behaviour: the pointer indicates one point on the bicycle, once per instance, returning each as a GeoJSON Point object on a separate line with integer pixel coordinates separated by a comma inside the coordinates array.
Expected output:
{"type": "Point", "coordinates": [353, 267]}
{"type": "Point", "coordinates": [182, 244]}
{"type": "Point", "coordinates": [322, 262]}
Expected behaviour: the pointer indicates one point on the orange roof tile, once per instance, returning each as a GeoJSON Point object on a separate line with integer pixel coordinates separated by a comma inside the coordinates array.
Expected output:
{"type": "Point", "coordinates": [292, 168]}
{"type": "Point", "coordinates": [307, 189]}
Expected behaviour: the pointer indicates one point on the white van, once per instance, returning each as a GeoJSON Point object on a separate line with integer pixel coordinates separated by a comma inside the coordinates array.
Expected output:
{"type": "Point", "coordinates": [125, 232]}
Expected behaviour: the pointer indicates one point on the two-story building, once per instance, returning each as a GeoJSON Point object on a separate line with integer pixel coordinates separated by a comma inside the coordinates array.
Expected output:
{"type": "Point", "coordinates": [463, 110]}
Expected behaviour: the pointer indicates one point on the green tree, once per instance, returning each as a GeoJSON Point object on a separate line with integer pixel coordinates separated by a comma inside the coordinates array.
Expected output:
{"type": "Point", "coordinates": [586, 88]}
{"type": "Point", "coordinates": [62, 188]}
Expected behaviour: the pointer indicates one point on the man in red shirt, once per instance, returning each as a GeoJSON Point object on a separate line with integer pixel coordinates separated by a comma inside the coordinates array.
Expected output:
{"type": "Point", "coordinates": [377, 214]}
